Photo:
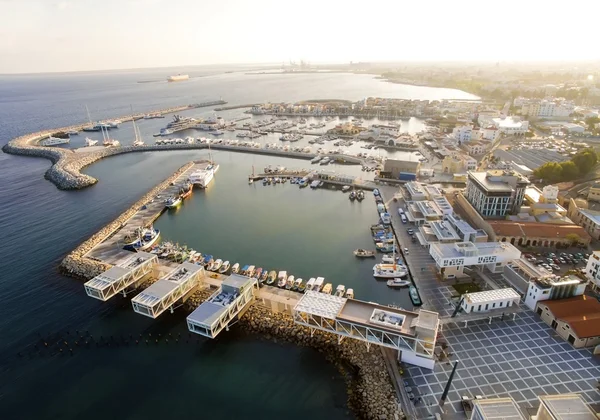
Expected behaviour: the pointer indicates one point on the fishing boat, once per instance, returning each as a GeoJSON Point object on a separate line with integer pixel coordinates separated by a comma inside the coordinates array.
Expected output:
{"type": "Point", "coordinates": [340, 290]}
{"type": "Point", "coordinates": [397, 283]}
{"type": "Point", "coordinates": [250, 271]}
{"type": "Point", "coordinates": [382, 247]}
{"type": "Point", "coordinates": [244, 270]}
{"type": "Point", "coordinates": [389, 271]}
{"type": "Point", "coordinates": [414, 296]}
{"type": "Point", "coordinates": [318, 284]}
{"type": "Point", "coordinates": [327, 289]}
{"type": "Point", "coordinates": [264, 276]}
{"type": "Point", "coordinates": [257, 273]}
{"type": "Point", "coordinates": [225, 267]}
{"type": "Point", "coordinates": [289, 283]}
{"type": "Point", "coordinates": [352, 195]}
{"type": "Point", "coordinates": [272, 277]}
{"type": "Point", "coordinates": [186, 191]}
{"type": "Point", "coordinates": [145, 240]}
{"type": "Point", "coordinates": [310, 284]}
{"type": "Point", "coordinates": [235, 269]}
{"type": "Point", "coordinates": [281, 278]}
{"type": "Point", "coordinates": [363, 253]}
{"type": "Point", "coordinates": [297, 284]}
{"type": "Point", "coordinates": [173, 202]}
{"type": "Point", "coordinates": [216, 265]}
{"type": "Point", "coordinates": [349, 294]}
{"type": "Point", "coordinates": [207, 260]}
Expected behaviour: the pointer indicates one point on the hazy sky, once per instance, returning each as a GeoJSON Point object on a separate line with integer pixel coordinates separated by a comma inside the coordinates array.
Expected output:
{"type": "Point", "coordinates": [64, 35]}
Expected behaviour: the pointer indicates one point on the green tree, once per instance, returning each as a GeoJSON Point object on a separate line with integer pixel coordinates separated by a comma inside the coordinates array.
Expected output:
{"type": "Point", "coordinates": [569, 171]}
{"type": "Point", "coordinates": [549, 172]}
{"type": "Point", "coordinates": [585, 160]}
{"type": "Point", "coordinates": [591, 122]}
{"type": "Point", "coordinates": [573, 238]}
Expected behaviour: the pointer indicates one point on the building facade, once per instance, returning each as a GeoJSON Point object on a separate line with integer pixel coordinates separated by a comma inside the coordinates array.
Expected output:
{"type": "Point", "coordinates": [395, 167]}
{"type": "Point", "coordinates": [589, 220]}
{"type": "Point", "coordinates": [489, 300]}
{"type": "Point", "coordinates": [592, 269]}
{"type": "Point", "coordinates": [496, 193]}
{"type": "Point", "coordinates": [462, 133]}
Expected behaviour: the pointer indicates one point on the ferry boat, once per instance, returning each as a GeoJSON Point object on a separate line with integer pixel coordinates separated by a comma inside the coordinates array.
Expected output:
{"type": "Point", "coordinates": [202, 178]}
{"type": "Point", "coordinates": [55, 141]}
{"type": "Point", "coordinates": [146, 239]}
{"type": "Point", "coordinates": [349, 294]}
{"type": "Point", "coordinates": [178, 78]}
{"type": "Point", "coordinates": [327, 289]}
{"type": "Point", "coordinates": [389, 271]}
{"type": "Point", "coordinates": [340, 290]}
{"type": "Point", "coordinates": [225, 267]}
{"type": "Point", "coordinates": [397, 283]}
{"type": "Point", "coordinates": [289, 283]}
{"type": "Point", "coordinates": [272, 277]}
{"type": "Point", "coordinates": [235, 268]}
{"type": "Point", "coordinates": [310, 284]}
{"type": "Point", "coordinates": [318, 284]}
{"type": "Point", "coordinates": [173, 202]}
{"type": "Point", "coordinates": [281, 278]}
{"type": "Point", "coordinates": [363, 253]}
{"type": "Point", "coordinates": [414, 296]}
{"type": "Point", "coordinates": [89, 142]}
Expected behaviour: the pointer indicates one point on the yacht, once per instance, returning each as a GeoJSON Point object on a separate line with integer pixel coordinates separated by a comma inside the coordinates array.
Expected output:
{"type": "Point", "coordinates": [54, 141]}
{"type": "Point", "coordinates": [281, 278]}
{"type": "Point", "coordinates": [203, 177]}
{"type": "Point", "coordinates": [181, 123]}
{"type": "Point", "coordinates": [349, 294]}
{"type": "Point", "coordinates": [225, 267]}
{"type": "Point", "coordinates": [398, 283]}
{"type": "Point", "coordinates": [173, 202]}
{"type": "Point", "coordinates": [289, 283]}
{"type": "Point", "coordinates": [316, 159]}
{"type": "Point", "coordinates": [217, 133]}
{"type": "Point", "coordinates": [386, 259]}
{"type": "Point", "coordinates": [72, 132]}
{"type": "Point", "coordinates": [340, 290]}
{"type": "Point", "coordinates": [318, 284]}
{"type": "Point", "coordinates": [235, 269]}
{"type": "Point", "coordinates": [325, 161]}
{"type": "Point", "coordinates": [389, 271]}
{"type": "Point", "coordinates": [310, 284]}
{"type": "Point", "coordinates": [89, 142]}
{"type": "Point", "coordinates": [327, 289]}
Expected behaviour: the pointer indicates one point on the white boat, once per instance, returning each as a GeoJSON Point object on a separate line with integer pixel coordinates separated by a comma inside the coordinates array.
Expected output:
{"type": "Point", "coordinates": [340, 290]}
{"type": "Point", "coordinates": [235, 268]}
{"type": "Point", "coordinates": [398, 283]}
{"type": "Point", "coordinates": [173, 202]}
{"type": "Point", "coordinates": [327, 289]}
{"type": "Point", "coordinates": [314, 184]}
{"type": "Point", "coordinates": [346, 188]}
{"type": "Point", "coordinates": [146, 238]}
{"type": "Point", "coordinates": [325, 161]}
{"type": "Point", "coordinates": [72, 132]}
{"type": "Point", "coordinates": [297, 284]}
{"type": "Point", "coordinates": [289, 283]}
{"type": "Point", "coordinates": [385, 217]}
{"type": "Point", "coordinates": [178, 78]}
{"type": "Point", "coordinates": [55, 141]}
{"type": "Point", "coordinates": [281, 278]}
{"type": "Point", "coordinates": [389, 271]}
{"type": "Point", "coordinates": [250, 271]}
{"type": "Point", "coordinates": [108, 142]}
{"type": "Point", "coordinates": [216, 265]}
{"type": "Point", "coordinates": [349, 294]}
{"type": "Point", "coordinates": [138, 137]}
{"type": "Point", "coordinates": [318, 284]}
{"type": "Point", "coordinates": [388, 259]}
{"type": "Point", "coordinates": [316, 159]}
{"type": "Point", "coordinates": [203, 177]}
{"type": "Point", "coordinates": [89, 142]}
{"type": "Point", "coordinates": [217, 133]}
{"type": "Point", "coordinates": [310, 284]}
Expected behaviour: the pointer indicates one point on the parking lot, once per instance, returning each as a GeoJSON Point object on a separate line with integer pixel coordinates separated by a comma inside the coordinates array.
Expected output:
{"type": "Point", "coordinates": [558, 262]}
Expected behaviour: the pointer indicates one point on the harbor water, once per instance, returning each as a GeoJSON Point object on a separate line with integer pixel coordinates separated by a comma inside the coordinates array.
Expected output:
{"type": "Point", "coordinates": [306, 232]}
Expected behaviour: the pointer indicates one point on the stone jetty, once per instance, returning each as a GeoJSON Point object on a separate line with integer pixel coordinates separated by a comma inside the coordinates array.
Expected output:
{"type": "Point", "coordinates": [78, 265]}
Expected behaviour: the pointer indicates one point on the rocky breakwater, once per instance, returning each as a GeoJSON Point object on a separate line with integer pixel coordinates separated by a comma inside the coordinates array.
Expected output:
{"type": "Point", "coordinates": [78, 265]}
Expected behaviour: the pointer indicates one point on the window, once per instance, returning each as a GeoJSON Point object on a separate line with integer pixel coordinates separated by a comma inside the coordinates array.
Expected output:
{"type": "Point", "coordinates": [479, 309]}
{"type": "Point", "coordinates": [487, 305]}
{"type": "Point", "coordinates": [493, 305]}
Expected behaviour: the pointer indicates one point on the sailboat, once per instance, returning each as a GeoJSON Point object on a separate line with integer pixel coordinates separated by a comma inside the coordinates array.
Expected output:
{"type": "Point", "coordinates": [136, 131]}
{"type": "Point", "coordinates": [389, 271]}
{"type": "Point", "coordinates": [108, 142]}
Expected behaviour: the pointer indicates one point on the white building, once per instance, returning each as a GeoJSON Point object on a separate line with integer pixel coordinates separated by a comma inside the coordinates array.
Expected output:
{"type": "Point", "coordinates": [490, 132]}
{"type": "Point", "coordinates": [489, 300]}
{"type": "Point", "coordinates": [416, 191]}
{"type": "Point", "coordinates": [475, 148]}
{"type": "Point", "coordinates": [496, 193]}
{"type": "Point", "coordinates": [587, 219]}
{"type": "Point", "coordinates": [496, 409]}
{"type": "Point", "coordinates": [547, 108]}
{"type": "Point", "coordinates": [451, 259]}
{"type": "Point", "coordinates": [563, 407]}
{"type": "Point", "coordinates": [553, 287]}
{"type": "Point", "coordinates": [592, 269]}
{"type": "Point", "coordinates": [511, 126]}
{"type": "Point", "coordinates": [462, 133]}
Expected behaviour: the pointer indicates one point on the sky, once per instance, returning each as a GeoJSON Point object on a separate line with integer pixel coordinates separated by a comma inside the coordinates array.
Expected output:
{"type": "Point", "coordinates": [76, 35]}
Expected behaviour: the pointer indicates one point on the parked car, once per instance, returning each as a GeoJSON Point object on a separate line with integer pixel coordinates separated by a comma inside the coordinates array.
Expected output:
{"type": "Point", "coordinates": [555, 267]}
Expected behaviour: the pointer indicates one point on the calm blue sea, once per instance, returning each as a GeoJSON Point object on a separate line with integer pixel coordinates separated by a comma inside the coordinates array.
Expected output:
{"type": "Point", "coordinates": [235, 376]}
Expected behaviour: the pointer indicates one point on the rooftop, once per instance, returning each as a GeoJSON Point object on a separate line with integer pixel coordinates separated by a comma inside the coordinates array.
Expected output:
{"type": "Point", "coordinates": [320, 304]}
{"type": "Point", "coordinates": [481, 249]}
{"type": "Point", "coordinates": [582, 313]}
{"type": "Point", "coordinates": [591, 214]}
{"type": "Point", "coordinates": [567, 407]}
{"type": "Point", "coordinates": [492, 296]}
{"type": "Point", "coordinates": [360, 312]}
{"type": "Point", "coordinates": [536, 230]}
{"type": "Point", "coordinates": [443, 230]}
{"type": "Point", "coordinates": [497, 180]}
{"type": "Point", "coordinates": [498, 409]}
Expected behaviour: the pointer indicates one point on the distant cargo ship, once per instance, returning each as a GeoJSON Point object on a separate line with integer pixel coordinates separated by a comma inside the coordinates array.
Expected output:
{"type": "Point", "coordinates": [178, 78]}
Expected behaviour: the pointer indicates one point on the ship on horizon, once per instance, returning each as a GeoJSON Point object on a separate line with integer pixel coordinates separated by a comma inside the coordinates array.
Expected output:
{"type": "Point", "coordinates": [178, 78]}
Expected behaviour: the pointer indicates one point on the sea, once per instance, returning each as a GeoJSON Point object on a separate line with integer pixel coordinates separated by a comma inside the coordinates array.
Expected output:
{"type": "Point", "coordinates": [306, 232]}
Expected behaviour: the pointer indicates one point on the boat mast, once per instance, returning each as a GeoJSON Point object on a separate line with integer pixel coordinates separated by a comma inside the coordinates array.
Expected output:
{"type": "Point", "coordinates": [136, 132]}
{"type": "Point", "coordinates": [88, 114]}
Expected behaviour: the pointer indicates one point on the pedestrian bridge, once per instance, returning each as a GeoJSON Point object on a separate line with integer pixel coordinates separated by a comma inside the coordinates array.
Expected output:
{"type": "Point", "coordinates": [167, 291]}
{"type": "Point", "coordinates": [122, 275]}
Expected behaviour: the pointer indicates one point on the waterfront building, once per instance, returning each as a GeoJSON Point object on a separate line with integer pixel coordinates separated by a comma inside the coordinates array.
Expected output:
{"type": "Point", "coordinates": [496, 409]}
{"type": "Point", "coordinates": [563, 407]}
{"type": "Point", "coordinates": [592, 269]}
{"type": "Point", "coordinates": [395, 167]}
{"type": "Point", "coordinates": [424, 211]}
{"type": "Point", "coordinates": [496, 193]}
{"type": "Point", "coordinates": [489, 300]}
{"type": "Point", "coordinates": [465, 231]}
{"type": "Point", "coordinates": [451, 259]}
{"type": "Point", "coordinates": [594, 192]}
{"type": "Point", "coordinates": [450, 229]}
{"type": "Point", "coordinates": [458, 163]}
{"type": "Point", "coordinates": [575, 319]}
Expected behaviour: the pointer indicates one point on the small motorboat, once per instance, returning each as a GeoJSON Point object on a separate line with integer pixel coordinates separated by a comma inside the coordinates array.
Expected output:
{"type": "Point", "coordinates": [281, 278]}
{"type": "Point", "coordinates": [346, 188]}
{"type": "Point", "coordinates": [300, 286]}
{"type": "Point", "coordinates": [258, 273]}
{"type": "Point", "coordinates": [363, 253]}
{"type": "Point", "coordinates": [327, 289]}
{"type": "Point", "coordinates": [289, 283]}
{"type": "Point", "coordinates": [349, 294]}
{"type": "Point", "coordinates": [208, 259]}
{"type": "Point", "coordinates": [264, 276]}
{"type": "Point", "coordinates": [173, 202]}
{"type": "Point", "coordinates": [398, 283]}
{"type": "Point", "coordinates": [225, 267]}
{"type": "Point", "coordinates": [297, 283]}
{"type": "Point", "coordinates": [250, 271]}
{"type": "Point", "coordinates": [360, 196]}
{"type": "Point", "coordinates": [244, 269]}
{"type": "Point", "coordinates": [340, 290]}
{"type": "Point", "coordinates": [309, 284]}
{"type": "Point", "coordinates": [235, 269]}
{"type": "Point", "coordinates": [272, 276]}
{"type": "Point", "coordinates": [376, 192]}
{"type": "Point", "coordinates": [352, 196]}
{"type": "Point", "coordinates": [387, 259]}
{"type": "Point", "coordinates": [216, 265]}
{"type": "Point", "coordinates": [318, 284]}
{"type": "Point", "coordinates": [414, 296]}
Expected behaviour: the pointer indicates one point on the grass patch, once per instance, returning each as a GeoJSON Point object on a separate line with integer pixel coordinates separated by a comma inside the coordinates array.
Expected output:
{"type": "Point", "coordinates": [463, 288]}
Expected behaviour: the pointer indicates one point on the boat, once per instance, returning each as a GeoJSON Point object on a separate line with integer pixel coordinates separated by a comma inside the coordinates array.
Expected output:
{"type": "Point", "coordinates": [315, 159]}
{"type": "Point", "coordinates": [303, 182]}
{"type": "Point", "coordinates": [325, 161]}
{"type": "Point", "coordinates": [235, 268]}
{"type": "Point", "coordinates": [250, 271]}
{"type": "Point", "coordinates": [203, 177]}
{"type": "Point", "coordinates": [264, 276]}
{"type": "Point", "coordinates": [318, 284]}
{"type": "Point", "coordinates": [314, 184]}
{"type": "Point", "coordinates": [385, 217]}
{"type": "Point", "coordinates": [178, 78]}
{"type": "Point", "coordinates": [346, 188]}
{"type": "Point", "coordinates": [289, 283]}
{"type": "Point", "coordinates": [216, 265]}
{"type": "Point", "coordinates": [272, 277]}
{"type": "Point", "coordinates": [360, 195]}
{"type": "Point", "coordinates": [398, 283]}
{"type": "Point", "coordinates": [107, 141]}
{"type": "Point", "coordinates": [376, 192]}
{"type": "Point", "coordinates": [297, 284]}
{"type": "Point", "coordinates": [179, 123]}
{"type": "Point", "coordinates": [281, 278]}
{"type": "Point", "coordinates": [389, 271]}
{"type": "Point", "coordinates": [244, 269]}
{"type": "Point", "coordinates": [363, 253]}
{"type": "Point", "coordinates": [207, 261]}
{"type": "Point", "coordinates": [327, 289]}
{"type": "Point", "coordinates": [380, 208]}
{"type": "Point", "coordinates": [257, 273]}
{"type": "Point", "coordinates": [89, 142]}
{"type": "Point", "coordinates": [138, 136]}
{"type": "Point", "coordinates": [352, 196]}
{"type": "Point", "coordinates": [54, 141]}
{"type": "Point", "coordinates": [414, 296]}
{"type": "Point", "coordinates": [386, 259]}
{"type": "Point", "coordinates": [217, 133]}
{"type": "Point", "coordinates": [73, 132]}
{"type": "Point", "coordinates": [349, 294]}
{"type": "Point", "coordinates": [310, 284]}
{"type": "Point", "coordinates": [173, 202]}
{"type": "Point", "coordinates": [225, 267]}
{"type": "Point", "coordinates": [340, 290]}
{"type": "Point", "coordinates": [146, 239]}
